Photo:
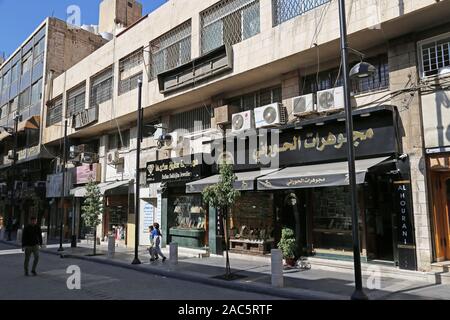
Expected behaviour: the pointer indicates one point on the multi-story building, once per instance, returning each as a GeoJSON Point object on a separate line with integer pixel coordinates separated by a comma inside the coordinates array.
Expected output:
{"type": "Point", "coordinates": [25, 79]}
{"type": "Point", "coordinates": [200, 62]}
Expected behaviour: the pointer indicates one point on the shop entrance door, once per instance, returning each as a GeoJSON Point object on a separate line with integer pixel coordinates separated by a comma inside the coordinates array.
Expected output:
{"type": "Point", "coordinates": [441, 211]}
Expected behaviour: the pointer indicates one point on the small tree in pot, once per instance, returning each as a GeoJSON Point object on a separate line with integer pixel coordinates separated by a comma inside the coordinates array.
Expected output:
{"type": "Point", "coordinates": [288, 246]}
{"type": "Point", "coordinates": [92, 209]}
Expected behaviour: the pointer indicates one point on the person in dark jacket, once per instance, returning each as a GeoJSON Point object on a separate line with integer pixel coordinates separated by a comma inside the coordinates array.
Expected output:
{"type": "Point", "coordinates": [31, 242]}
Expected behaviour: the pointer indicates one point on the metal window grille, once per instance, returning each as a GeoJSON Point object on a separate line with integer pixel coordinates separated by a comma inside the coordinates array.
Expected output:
{"type": "Point", "coordinates": [130, 83]}
{"type": "Point", "coordinates": [76, 101]}
{"type": "Point", "coordinates": [133, 60]}
{"type": "Point", "coordinates": [229, 22]}
{"type": "Point", "coordinates": [170, 50]}
{"type": "Point", "coordinates": [257, 99]}
{"type": "Point", "coordinates": [101, 88]}
{"type": "Point", "coordinates": [118, 141]}
{"type": "Point", "coordinates": [191, 121]}
{"type": "Point", "coordinates": [54, 113]}
{"type": "Point", "coordinates": [284, 10]}
{"type": "Point", "coordinates": [333, 78]}
{"type": "Point", "coordinates": [435, 56]}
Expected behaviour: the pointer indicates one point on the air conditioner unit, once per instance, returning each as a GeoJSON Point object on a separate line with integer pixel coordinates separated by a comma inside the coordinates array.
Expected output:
{"type": "Point", "coordinates": [224, 114]}
{"type": "Point", "coordinates": [114, 158]}
{"type": "Point", "coordinates": [88, 157]}
{"type": "Point", "coordinates": [242, 121]}
{"type": "Point", "coordinates": [271, 115]}
{"type": "Point", "coordinates": [303, 105]}
{"type": "Point", "coordinates": [330, 100]}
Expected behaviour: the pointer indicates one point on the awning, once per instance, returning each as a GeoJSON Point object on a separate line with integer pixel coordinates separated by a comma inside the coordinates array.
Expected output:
{"type": "Point", "coordinates": [314, 176]}
{"type": "Point", "coordinates": [30, 123]}
{"type": "Point", "coordinates": [245, 181]}
{"type": "Point", "coordinates": [80, 192]}
{"type": "Point", "coordinates": [4, 134]}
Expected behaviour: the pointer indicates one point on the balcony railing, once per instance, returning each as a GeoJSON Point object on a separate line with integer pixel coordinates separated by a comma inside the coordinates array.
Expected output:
{"type": "Point", "coordinates": [284, 10]}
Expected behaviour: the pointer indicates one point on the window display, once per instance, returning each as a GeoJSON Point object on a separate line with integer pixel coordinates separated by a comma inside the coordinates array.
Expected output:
{"type": "Point", "coordinates": [332, 220]}
{"type": "Point", "coordinates": [189, 212]}
{"type": "Point", "coordinates": [251, 223]}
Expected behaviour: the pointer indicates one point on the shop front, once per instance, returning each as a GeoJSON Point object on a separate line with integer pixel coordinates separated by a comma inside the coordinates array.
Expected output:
{"type": "Point", "coordinates": [184, 219]}
{"type": "Point", "coordinates": [309, 191]}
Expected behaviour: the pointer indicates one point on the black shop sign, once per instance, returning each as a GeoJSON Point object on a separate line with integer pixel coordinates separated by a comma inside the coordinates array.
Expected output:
{"type": "Point", "coordinates": [374, 135]}
{"type": "Point", "coordinates": [175, 170]}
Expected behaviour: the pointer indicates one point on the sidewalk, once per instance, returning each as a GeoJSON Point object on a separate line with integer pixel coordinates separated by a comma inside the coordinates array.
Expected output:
{"type": "Point", "coordinates": [255, 275]}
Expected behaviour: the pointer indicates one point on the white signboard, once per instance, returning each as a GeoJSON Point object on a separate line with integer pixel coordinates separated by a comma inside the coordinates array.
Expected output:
{"type": "Point", "coordinates": [147, 216]}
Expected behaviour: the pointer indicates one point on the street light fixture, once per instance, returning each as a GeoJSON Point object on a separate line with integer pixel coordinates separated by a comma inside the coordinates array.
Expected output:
{"type": "Point", "coordinates": [361, 70]}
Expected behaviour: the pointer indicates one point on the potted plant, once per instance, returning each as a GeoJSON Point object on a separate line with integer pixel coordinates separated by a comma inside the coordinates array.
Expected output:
{"type": "Point", "coordinates": [288, 246]}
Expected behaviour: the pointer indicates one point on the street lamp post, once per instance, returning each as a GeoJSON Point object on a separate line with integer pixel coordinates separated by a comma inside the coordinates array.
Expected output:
{"type": "Point", "coordinates": [63, 188]}
{"type": "Point", "coordinates": [17, 118]}
{"type": "Point", "coordinates": [138, 177]}
{"type": "Point", "coordinates": [358, 293]}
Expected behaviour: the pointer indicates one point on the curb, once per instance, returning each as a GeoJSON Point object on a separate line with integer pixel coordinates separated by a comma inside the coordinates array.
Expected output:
{"type": "Point", "coordinates": [286, 293]}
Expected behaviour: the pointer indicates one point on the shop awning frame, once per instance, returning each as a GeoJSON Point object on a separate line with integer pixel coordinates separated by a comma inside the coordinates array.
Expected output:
{"type": "Point", "coordinates": [80, 192]}
{"type": "Point", "coordinates": [317, 176]}
{"type": "Point", "coordinates": [245, 181]}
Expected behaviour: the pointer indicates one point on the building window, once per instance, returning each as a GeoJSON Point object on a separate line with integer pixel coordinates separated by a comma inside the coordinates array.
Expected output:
{"type": "Point", "coordinates": [54, 113]}
{"type": "Point", "coordinates": [36, 92]}
{"type": "Point", "coordinates": [39, 51]}
{"type": "Point", "coordinates": [333, 78]}
{"type": "Point", "coordinates": [101, 88]}
{"type": "Point", "coordinates": [130, 70]}
{"type": "Point", "coordinates": [229, 22]}
{"type": "Point", "coordinates": [13, 104]}
{"type": "Point", "coordinates": [435, 56]}
{"type": "Point", "coordinates": [192, 121]}
{"type": "Point", "coordinates": [15, 73]}
{"type": "Point", "coordinates": [257, 99]}
{"type": "Point", "coordinates": [118, 141]}
{"type": "Point", "coordinates": [170, 50]}
{"type": "Point", "coordinates": [24, 99]}
{"type": "Point", "coordinates": [6, 79]}
{"type": "Point", "coordinates": [4, 111]}
{"type": "Point", "coordinates": [27, 61]}
{"type": "Point", "coordinates": [76, 101]}
{"type": "Point", "coordinates": [284, 10]}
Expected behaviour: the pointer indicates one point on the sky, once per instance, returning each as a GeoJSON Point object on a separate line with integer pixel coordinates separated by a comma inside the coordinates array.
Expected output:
{"type": "Point", "coordinates": [19, 18]}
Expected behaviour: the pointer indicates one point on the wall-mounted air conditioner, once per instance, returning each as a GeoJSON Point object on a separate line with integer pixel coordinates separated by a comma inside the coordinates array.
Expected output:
{"type": "Point", "coordinates": [330, 100]}
{"type": "Point", "coordinates": [303, 105]}
{"type": "Point", "coordinates": [242, 121]}
{"type": "Point", "coordinates": [113, 158]}
{"type": "Point", "coordinates": [270, 115]}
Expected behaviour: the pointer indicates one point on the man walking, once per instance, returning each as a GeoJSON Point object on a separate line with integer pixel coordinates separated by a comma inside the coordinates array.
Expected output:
{"type": "Point", "coordinates": [31, 241]}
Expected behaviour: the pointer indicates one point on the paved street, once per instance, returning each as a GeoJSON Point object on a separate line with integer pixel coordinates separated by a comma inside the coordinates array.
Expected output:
{"type": "Point", "coordinates": [99, 282]}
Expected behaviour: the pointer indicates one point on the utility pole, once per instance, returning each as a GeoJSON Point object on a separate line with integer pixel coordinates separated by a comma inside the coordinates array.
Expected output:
{"type": "Point", "coordinates": [358, 293]}
{"type": "Point", "coordinates": [63, 197]}
{"type": "Point", "coordinates": [138, 177]}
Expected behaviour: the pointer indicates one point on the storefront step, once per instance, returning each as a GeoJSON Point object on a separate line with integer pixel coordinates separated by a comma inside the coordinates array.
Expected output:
{"type": "Point", "coordinates": [369, 268]}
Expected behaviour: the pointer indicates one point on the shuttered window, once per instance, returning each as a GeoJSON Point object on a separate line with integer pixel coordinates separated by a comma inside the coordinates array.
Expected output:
{"type": "Point", "coordinates": [192, 121]}
{"type": "Point", "coordinates": [76, 101]}
{"type": "Point", "coordinates": [101, 88]}
{"type": "Point", "coordinates": [54, 113]}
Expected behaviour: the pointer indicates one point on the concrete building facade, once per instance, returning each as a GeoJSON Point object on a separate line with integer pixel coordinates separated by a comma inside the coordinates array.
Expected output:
{"type": "Point", "coordinates": [194, 58]}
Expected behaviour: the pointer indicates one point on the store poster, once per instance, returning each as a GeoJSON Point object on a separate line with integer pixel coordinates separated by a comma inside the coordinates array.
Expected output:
{"type": "Point", "coordinates": [147, 218]}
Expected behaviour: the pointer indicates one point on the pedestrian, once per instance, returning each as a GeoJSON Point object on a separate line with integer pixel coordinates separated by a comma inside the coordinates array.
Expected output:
{"type": "Point", "coordinates": [151, 249]}
{"type": "Point", "coordinates": [157, 240]}
{"type": "Point", "coordinates": [9, 228]}
{"type": "Point", "coordinates": [31, 242]}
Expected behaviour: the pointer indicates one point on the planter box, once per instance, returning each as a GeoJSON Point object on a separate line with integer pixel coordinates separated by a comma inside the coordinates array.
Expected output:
{"type": "Point", "coordinates": [190, 238]}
